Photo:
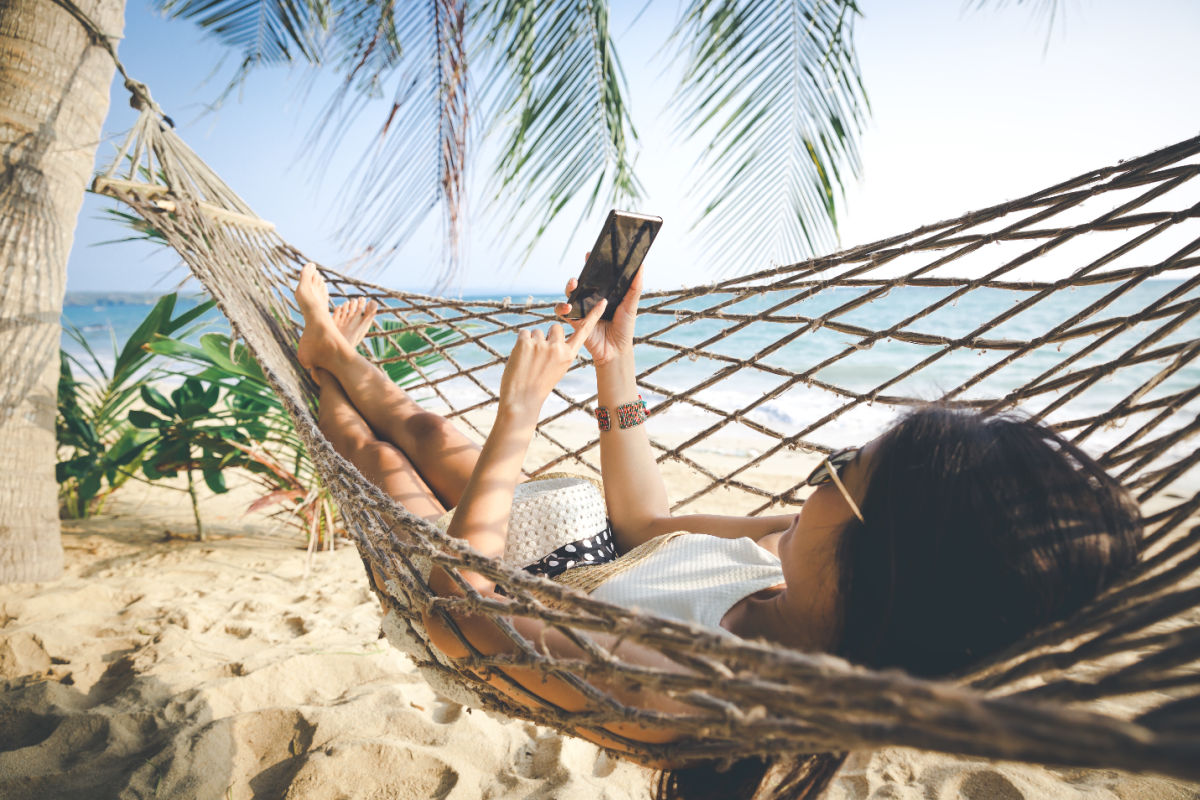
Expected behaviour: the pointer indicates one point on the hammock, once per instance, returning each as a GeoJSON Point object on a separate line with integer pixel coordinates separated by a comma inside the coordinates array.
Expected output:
{"type": "Point", "coordinates": [1114, 686]}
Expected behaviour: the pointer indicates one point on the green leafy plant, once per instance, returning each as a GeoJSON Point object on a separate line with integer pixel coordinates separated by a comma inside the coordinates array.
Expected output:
{"type": "Point", "coordinates": [224, 416]}
{"type": "Point", "coordinates": [97, 446]}
{"type": "Point", "coordinates": [189, 434]}
{"type": "Point", "coordinates": [273, 452]}
{"type": "Point", "coordinates": [394, 351]}
{"type": "Point", "coordinates": [770, 90]}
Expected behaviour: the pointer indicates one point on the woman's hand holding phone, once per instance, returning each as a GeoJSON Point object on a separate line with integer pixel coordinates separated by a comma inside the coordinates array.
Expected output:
{"type": "Point", "coordinates": [610, 338]}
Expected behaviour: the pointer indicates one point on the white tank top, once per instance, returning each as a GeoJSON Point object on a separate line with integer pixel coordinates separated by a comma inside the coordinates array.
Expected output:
{"type": "Point", "coordinates": [694, 577]}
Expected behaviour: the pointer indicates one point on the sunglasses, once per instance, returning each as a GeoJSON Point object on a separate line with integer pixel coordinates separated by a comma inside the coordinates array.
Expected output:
{"type": "Point", "coordinates": [828, 471]}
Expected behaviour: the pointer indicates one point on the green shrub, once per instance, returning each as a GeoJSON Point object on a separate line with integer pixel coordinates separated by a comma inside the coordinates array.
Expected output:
{"type": "Point", "coordinates": [274, 455]}
{"type": "Point", "coordinates": [223, 415]}
{"type": "Point", "coordinates": [97, 446]}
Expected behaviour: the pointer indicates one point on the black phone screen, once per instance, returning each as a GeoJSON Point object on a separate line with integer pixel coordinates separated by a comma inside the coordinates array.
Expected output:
{"type": "Point", "coordinates": [614, 262]}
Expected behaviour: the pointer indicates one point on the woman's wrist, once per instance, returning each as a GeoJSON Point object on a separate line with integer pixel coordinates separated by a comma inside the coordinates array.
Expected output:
{"type": "Point", "coordinates": [517, 414]}
{"type": "Point", "coordinates": [620, 363]}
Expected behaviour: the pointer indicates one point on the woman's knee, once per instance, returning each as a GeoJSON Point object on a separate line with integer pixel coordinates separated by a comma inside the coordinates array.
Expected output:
{"type": "Point", "coordinates": [427, 428]}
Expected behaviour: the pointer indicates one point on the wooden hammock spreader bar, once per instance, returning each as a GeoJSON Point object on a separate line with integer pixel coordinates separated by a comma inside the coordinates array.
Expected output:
{"type": "Point", "coordinates": [150, 192]}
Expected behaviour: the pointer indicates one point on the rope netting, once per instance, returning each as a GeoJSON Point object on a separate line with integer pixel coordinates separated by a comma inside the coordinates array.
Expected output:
{"type": "Point", "coordinates": [1081, 312]}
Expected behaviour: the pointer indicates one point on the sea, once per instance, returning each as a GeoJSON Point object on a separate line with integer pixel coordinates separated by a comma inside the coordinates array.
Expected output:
{"type": "Point", "coordinates": [106, 320]}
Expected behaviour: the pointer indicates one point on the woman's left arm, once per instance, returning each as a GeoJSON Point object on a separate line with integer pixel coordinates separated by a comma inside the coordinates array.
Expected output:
{"type": "Point", "coordinates": [725, 527]}
{"type": "Point", "coordinates": [481, 518]}
{"type": "Point", "coordinates": [534, 368]}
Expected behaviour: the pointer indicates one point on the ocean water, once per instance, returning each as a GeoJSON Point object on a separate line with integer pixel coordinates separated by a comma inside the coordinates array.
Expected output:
{"type": "Point", "coordinates": [836, 357]}
{"type": "Point", "coordinates": [107, 323]}
{"type": "Point", "coordinates": [866, 369]}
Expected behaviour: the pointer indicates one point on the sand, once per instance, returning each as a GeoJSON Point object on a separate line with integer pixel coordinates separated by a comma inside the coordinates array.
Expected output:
{"type": "Point", "coordinates": [161, 667]}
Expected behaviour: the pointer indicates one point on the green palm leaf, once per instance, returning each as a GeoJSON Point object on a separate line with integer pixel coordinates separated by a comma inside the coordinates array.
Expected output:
{"type": "Point", "coordinates": [556, 92]}
{"type": "Point", "coordinates": [419, 161]}
{"type": "Point", "coordinates": [771, 86]}
{"type": "Point", "coordinates": [774, 88]}
{"type": "Point", "coordinates": [264, 31]}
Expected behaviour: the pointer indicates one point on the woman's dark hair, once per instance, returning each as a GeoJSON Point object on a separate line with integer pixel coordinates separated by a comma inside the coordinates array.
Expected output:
{"type": "Point", "coordinates": [979, 529]}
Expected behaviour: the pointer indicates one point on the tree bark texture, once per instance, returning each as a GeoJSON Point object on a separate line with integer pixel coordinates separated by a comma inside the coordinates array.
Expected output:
{"type": "Point", "coordinates": [54, 87]}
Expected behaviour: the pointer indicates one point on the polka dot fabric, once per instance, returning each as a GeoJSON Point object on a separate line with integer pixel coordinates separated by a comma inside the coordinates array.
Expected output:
{"type": "Point", "coordinates": [557, 522]}
{"type": "Point", "coordinates": [590, 550]}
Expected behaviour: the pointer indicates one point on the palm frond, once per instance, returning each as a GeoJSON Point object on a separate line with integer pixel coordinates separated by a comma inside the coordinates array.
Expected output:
{"type": "Point", "coordinates": [364, 49]}
{"type": "Point", "coordinates": [775, 89]}
{"type": "Point", "coordinates": [557, 95]}
{"type": "Point", "coordinates": [264, 31]}
{"type": "Point", "coordinates": [422, 49]}
{"type": "Point", "coordinates": [364, 44]}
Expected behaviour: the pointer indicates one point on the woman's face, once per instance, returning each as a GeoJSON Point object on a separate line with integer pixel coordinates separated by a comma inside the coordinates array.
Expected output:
{"type": "Point", "coordinates": [808, 549]}
{"type": "Point", "coordinates": [826, 511]}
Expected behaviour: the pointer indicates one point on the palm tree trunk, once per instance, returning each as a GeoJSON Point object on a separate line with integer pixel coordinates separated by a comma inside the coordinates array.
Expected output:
{"type": "Point", "coordinates": [54, 84]}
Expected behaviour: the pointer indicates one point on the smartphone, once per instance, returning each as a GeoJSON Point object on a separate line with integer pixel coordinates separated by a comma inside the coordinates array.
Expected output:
{"type": "Point", "coordinates": [614, 262]}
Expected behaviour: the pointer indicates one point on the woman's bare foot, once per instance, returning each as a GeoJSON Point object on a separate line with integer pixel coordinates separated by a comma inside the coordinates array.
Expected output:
{"type": "Point", "coordinates": [353, 319]}
{"type": "Point", "coordinates": [320, 333]}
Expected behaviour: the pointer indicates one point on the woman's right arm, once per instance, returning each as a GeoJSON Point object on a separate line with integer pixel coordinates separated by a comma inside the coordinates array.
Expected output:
{"type": "Point", "coordinates": [633, 485]}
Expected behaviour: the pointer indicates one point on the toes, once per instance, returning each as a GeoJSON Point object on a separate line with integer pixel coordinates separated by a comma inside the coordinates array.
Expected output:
{"type": "Point", "coordinates": [311, 276]}
{"type": "Point", "coordinates": [304, 282]}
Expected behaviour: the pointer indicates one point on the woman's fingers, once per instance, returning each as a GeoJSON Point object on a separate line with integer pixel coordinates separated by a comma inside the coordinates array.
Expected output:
{"type": "Point", "coordinates": [630, 302]}
{"type": "Point", "coordinates": [585, 328]}
{"type": "Point", "coordinates": [556, 334]}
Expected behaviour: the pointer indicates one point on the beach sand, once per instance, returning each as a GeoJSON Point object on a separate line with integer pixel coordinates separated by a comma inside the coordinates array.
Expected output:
{"type": "Point", "coordinates": [162, 667]}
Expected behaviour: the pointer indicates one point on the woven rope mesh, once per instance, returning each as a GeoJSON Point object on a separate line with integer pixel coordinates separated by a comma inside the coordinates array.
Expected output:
{"type": "Point", "coordinates": [1105, 351]}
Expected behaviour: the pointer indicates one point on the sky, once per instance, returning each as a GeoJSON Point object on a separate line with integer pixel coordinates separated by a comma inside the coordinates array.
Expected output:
{"type": "Point", "coordinates": [968, 108]}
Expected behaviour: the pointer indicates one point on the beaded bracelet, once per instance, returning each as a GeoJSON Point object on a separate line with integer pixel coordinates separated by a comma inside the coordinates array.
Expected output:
{"type": "Point", "coordinates": [629, 415]}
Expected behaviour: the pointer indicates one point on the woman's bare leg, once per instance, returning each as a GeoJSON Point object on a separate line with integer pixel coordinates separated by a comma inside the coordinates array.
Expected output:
{"type": "Point", "coordinates": [442, 454]}
{"type": "Point", "coordinates": [380, 462]}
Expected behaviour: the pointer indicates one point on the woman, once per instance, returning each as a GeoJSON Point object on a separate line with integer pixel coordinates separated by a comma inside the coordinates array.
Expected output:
{"type": "Point", "coordinates": [944, 540]}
